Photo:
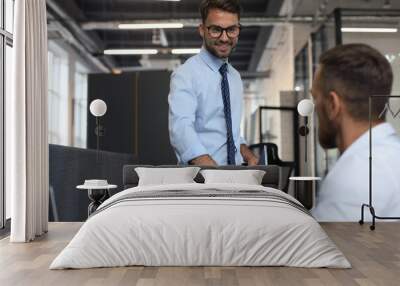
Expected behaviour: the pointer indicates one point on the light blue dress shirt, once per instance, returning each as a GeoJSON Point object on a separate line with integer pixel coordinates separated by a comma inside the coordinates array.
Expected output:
{"type": "Point", "coordinates": [196, 111]}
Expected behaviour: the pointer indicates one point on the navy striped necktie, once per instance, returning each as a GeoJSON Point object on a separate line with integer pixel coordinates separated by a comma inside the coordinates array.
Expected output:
{"type": "Point", "coordinates": [227, 111]}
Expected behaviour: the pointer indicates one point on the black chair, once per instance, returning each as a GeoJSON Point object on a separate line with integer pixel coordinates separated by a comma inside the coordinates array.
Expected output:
{"type": "Point", "coordinates": [268, 154]}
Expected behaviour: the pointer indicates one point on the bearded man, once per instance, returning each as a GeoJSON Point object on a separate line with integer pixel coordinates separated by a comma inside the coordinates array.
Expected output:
{"type": "Point", "coordinates": [345, 79]}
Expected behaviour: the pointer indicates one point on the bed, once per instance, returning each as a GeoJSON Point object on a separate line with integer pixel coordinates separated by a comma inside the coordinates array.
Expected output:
{"type": "Point", "coordinates": [197, 224]}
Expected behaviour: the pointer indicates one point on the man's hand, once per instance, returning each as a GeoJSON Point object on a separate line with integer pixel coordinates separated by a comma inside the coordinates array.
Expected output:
{"type": "Point", "coordinates": [203, 160]}
{"type": "Point", "coordinates": [248, 156]}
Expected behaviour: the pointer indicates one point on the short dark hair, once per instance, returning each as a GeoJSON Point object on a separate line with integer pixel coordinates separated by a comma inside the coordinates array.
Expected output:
{"type": "Point", "coordinates": [231, 6]}
{"type": "Point", "coordinates": [356, 71]}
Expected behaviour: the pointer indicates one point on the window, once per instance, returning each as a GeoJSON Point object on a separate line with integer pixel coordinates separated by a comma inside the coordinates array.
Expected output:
{"type": "Point", "coordinates": [2, 80]}
{"type": "Point", "coordinates": [58, 97]}
{"type": "Point", "coordinates": [80, 107]}
{"type": "Point", "coordinates": [301, 74]}
{"type": "Point", "coordinates": [9, 19]}
{"type": "Point", "coordinates": [8, 89]}
{"type": "Point", "coordinates": [6, 40]}
{"type": "Point", "coordinates": [67, 102]}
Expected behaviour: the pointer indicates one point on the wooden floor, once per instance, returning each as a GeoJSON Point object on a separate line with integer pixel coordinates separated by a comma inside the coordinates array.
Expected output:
{"type": "Point", "coordinates": [375, 257]}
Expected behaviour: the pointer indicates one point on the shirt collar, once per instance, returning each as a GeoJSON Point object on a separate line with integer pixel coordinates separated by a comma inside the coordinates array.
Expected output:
{"type": "Point", "coordinates": [379, 132]}
{"type": "Point", "coordinates": [212, 61]}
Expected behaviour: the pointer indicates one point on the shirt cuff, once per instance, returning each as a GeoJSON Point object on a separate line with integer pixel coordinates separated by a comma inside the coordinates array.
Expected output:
{"type": "Point", "coordinates": [242, 141]}
{"type": "Point", "coordinates": [194, 152]}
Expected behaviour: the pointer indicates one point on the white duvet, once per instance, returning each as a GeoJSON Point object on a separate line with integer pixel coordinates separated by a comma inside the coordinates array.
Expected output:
{"type": "Point", "coordinates": [202, 231]}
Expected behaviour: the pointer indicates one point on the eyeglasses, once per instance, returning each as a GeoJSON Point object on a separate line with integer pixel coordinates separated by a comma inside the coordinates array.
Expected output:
{"type": "Point", "coordinates": [216, 31]}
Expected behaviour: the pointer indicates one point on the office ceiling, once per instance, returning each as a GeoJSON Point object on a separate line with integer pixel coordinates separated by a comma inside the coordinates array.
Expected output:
{"type": "Point", "coordinates": [97, 12]}
{"type": "Point", "coordinates": [309, 7]}
{"type": "Point", "coordinates": [90, 27]}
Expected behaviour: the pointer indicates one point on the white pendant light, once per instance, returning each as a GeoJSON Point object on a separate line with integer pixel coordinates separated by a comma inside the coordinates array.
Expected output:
{"type": "Point", "coordinates": [98, 108]}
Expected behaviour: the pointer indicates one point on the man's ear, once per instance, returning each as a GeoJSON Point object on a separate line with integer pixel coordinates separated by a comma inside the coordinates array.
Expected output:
{"type": "Point", "coordinates": [201, 30]}
{"type": "Point", "coordinates": [334, 105]}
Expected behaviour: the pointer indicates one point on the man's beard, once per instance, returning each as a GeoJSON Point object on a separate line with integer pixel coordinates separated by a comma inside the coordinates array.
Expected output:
{"type": "Point", "coordinates": [327, 133]}
{"type": "Point", "coordinates": [210, 46]}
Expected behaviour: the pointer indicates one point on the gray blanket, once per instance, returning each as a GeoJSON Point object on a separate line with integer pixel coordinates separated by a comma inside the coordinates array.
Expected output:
{"type": "Point", "coordinates": [204, 194]}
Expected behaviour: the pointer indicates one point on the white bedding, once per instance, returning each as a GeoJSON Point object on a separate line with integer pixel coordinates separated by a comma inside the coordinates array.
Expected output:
{"type": "Point", "coordinates": [188, 231]}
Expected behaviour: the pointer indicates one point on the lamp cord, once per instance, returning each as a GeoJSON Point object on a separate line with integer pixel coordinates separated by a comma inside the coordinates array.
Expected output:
{"type": "Point", "coordinates": [98, 139]}
{"type": "Point", "coordinates": [305, 146]}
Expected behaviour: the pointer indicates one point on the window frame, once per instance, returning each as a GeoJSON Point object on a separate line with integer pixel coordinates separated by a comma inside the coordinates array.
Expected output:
{"type": "Point", "coordinates": [6, 39]}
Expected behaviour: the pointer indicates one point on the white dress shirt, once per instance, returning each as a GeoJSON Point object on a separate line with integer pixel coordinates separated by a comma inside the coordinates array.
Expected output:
{"type": "Point", "coordinates": [346, 187]}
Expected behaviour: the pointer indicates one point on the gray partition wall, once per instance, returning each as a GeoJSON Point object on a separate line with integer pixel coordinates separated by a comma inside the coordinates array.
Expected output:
{"type": "Point", "coordinates": [69, 167]}
{"type": "Point", "coordinates": [136, 121]}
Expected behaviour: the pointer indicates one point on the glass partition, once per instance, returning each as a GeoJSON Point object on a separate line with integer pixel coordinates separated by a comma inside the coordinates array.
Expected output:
{"type": "Point", "coordinates": [272, 121]}
{"type": "Point", "coordinates": [386, 40]}
{"type": "Point", "coordinates": [336, 31]}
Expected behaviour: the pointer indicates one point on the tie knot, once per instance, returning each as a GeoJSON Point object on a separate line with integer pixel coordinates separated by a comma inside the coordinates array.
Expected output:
{"type": "Point", "coordinates": [223, 69]}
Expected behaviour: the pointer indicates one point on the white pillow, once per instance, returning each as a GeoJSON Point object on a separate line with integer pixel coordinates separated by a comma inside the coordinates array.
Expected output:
{"type": "Point", "coordinates": [165, 176]}
{"type": "Point", "coordinates": [248, 177]}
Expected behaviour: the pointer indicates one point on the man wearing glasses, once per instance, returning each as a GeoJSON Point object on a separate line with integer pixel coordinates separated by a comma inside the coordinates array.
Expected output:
{"type": "Point", "coordinates": [205, 100]}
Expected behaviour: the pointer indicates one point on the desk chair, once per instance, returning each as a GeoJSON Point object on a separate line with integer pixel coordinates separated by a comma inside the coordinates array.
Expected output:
{"type": "Point", "coordinates": [268, 154]}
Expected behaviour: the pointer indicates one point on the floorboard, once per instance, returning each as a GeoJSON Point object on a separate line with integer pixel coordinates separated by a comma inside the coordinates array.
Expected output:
{"type": "Point", "coordinates": [375, 257]}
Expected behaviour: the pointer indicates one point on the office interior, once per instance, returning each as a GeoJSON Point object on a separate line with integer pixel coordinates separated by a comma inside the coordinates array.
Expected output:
{"type": "Point", "coordinates": [91, 55]}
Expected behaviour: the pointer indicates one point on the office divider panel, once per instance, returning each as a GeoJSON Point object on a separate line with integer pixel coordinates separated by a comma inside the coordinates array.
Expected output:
{"type": "Point", "coordinates": [136, 121]}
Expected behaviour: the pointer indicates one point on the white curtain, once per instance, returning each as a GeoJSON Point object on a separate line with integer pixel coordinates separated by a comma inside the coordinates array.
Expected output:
{"type": "Point", "coordinates": [26, 124]}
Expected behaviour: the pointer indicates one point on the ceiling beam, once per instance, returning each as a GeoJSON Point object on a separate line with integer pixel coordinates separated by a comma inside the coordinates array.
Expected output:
{"type": "Point", "coordinates": [194, 22]}
{"type": "Point", "coordinates": [259, 48]}
{"type": "Point", "coordinates": [263, 36]}
{"type": "Point", "coordinates": [245, 75]}
{"type": "Point", "coordinates": [246, 22]}
{"type": "Point", "coordinates": [67, 37]}
{"type": "Point", "coordinates": [79, 38]}
{"type": "Point", "coordinates": [254, 75]}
